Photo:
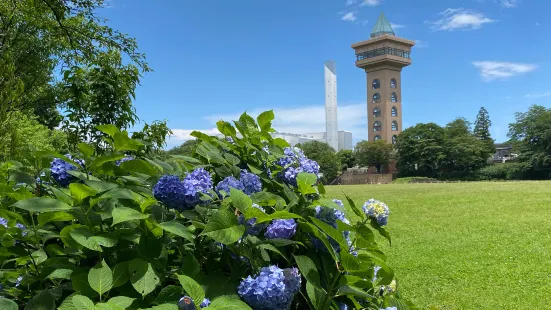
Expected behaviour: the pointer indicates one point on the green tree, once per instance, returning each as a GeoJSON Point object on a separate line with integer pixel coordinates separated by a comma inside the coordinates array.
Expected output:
{"type": "Point", "coordinates": [326, 157]}
{"type": "Point", "coordinates": [531, 136]}
{"type": "Point", "coordinates": [458, 127]}
{"type": "Point", "coordinates": [187, 148]}
{"type": "Point", "coordinates": [153, 137]}
{"type": "Point", "coordinates": [373, 154]}
{"type": "Point", "coordinates": [421, 150]}
{"type": "Point", "coordinates": [482, 129]}
{"type": "Point", "coordinates": [464, 152]}
{"type": "Point", "coordinates": [347, 158]}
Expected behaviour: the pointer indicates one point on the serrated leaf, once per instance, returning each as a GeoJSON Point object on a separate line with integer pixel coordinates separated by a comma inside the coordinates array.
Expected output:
{"type": "Point", "coordinates": [331, 232]}
{"type": "Point", "coordinates": [272, 248]}
{"type": "Point", "coordinates": [42, 204]}
{"type": "Point", "coordinates": [99, 161]}
{"type": "Point", "coordinates": [177, 229]}
{"type": "Point", "coordinates": [352, 290]}
{"type": "Point", "coordinates": [142, 276]}
{"type": "Point", "coordinates": [170, 294]}
{"type": "Point", "coordinates": [226, 128]}
{"type": "Point", "coordinates": [121, 301]}
{"type": "Point", "coordinates": [80, 191]}
{"type": "Point", "coordinates": [240, 200]}
{"type": "Point", "coordinates": [356, 210]}
{"type": "Point", "coordinates": [120, 274]}
{"type": "Point", "coordinates": [108, 129]}
{"type": "Point", "coordinates": [265, 120]}
{"type": "Point", "coordinates": [316, 295]}
{"type": "Point", "coordinates": [60, 274]}
{"type": "Point", "coordinates": [42, 301]}
{"type": "Point", "coordinates": [223, 227]}
{"type": "Point", "coordinates": [7, 304]}
{"type": "Point", "coordinates": [124, 214]}
{"type": "Point", "coordinates": [82, 302]}
{"type": "Point", "coordinates": [58, 216]}
{"type": "Point", "coordinates": [124, 143]}
{"type": "Point", "coordinates": [305, 183]}
{"type": "Point", "coordinates": [140, 166]}
{"type": "Point", "coordinates": [85, 238]}
{"type": "Point", "coordinates": [228, 303]}
{"type": "Point", "coordinates": [86, 149]}
{"type": "Point", "coordinates": [192, 288]}
{"type": "Point", "coordinates": [100, 278]}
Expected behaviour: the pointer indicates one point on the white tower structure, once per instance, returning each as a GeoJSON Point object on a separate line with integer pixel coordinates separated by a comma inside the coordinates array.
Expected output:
{"type": "Point", "coordinates": [331, 123]}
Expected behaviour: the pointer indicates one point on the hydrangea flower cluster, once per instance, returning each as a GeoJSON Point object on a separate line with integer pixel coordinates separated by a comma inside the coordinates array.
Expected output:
{"type": "Point", "coordinates": [343, 306]}
{"type": "Point", "coordinates": [296, 162]}
{"type": "Point", "coordinates": [272, 289]}
{"type": "Point", "coordinates": [330, 216]}
{"type": "Point", "coordinates": [251, 182]}
{"type": "Point", "coordinates": [184, 194]}
{"type": "Point", "coordinates": [251, 227]}
{"type": "Point", "coordinates": [226, 184]}
{"type": "Point", "coordinates": [281, 229]}
{"type": "Point", "coordinates": [59, 168]}
{"type": "Point", "coordinates": [377, 210]}
{"type": "Point", "coordinates": [122, 160]}
{"type": "Point", "coordinates": [205, 303]}
{"type": "Point", "coordinates": [186, 303]}
{"type": "Point", "coordinates": [4, 223]}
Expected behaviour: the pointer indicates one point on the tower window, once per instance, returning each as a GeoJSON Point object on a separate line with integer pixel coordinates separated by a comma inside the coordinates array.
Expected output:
{"type": "Point", "coordinates": [392, 83]}
{"type": "Point", "coordinates": [377, 126]}
{"type": "Point", "coordinates": [394, 139]}
{"type": "Point", "coordinates": [394, 97]}
{"type": "Point", "coordinates": [376, 98]}
{"type": "Point", "coordinates": [376, 112]}
{"type": "Point", "coordinates": [377, 137]}
{"type": "Point", "coordinates": [394, 112]}
{"type": "Point", "coordinates": [376, 84]}
{"type": "Point", "coordinates": [394, 126]}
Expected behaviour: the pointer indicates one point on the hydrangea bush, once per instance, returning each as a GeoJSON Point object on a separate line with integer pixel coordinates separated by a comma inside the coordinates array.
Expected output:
{"type": "Point", "coordinates": [243, 224]}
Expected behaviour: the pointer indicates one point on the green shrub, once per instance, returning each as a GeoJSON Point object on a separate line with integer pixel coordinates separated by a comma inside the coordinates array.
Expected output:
{"type": "Point", "coordinates": [116, 232]}
{"type": "Point", "coordinates": [412, 180]}
{"type": "Point", "coordinates": [505, 171]}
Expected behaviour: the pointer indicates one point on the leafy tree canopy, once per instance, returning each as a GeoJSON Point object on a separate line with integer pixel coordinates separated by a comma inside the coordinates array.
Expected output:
{"type": "Point", "coordinates": [373, 154]}
{"type": "Point", "coordinates": [347, 158]}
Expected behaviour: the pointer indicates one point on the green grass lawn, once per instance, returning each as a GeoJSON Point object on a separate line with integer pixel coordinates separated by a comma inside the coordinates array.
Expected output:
{"type": "Point", "coordinates": [467, 245]}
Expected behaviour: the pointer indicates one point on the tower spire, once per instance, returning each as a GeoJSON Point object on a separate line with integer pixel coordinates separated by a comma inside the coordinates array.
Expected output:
{"type": "Point", "coordinates": [382, 27]}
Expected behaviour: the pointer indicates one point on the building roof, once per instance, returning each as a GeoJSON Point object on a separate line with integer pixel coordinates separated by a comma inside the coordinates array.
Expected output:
{"type": "Point", "coordinates": [382, 27]}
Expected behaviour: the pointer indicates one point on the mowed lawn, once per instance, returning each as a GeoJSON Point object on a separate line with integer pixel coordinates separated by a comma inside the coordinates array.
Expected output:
{"type": "Point", "coordinates": [467, 245]}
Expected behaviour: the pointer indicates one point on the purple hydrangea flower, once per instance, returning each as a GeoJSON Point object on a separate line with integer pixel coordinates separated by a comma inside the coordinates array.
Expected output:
{"type": "Point", "coordinates": [292, 155]}
{"type": "Point", "coordinates": [196, 183]}
{"type": "Point", "coordinates": [281, 229]}
{"type": "Point", "coordinates": [289, 175]}
{"type": "Point", "coordinates": [251, 227]}
{"type": "Point", "coordinates": [251, 182]}
{"type": "Point", "coordinates": [377, 210]}
{"type": "Point", "coordinates": [59, 168]}
{"type": "Point", "coordinates": [272, 289]}
{"type": "Point", "coordinates": [205, 303]}
{"type": "Point", "coordinates": [122, 160]}
{"type": "Point", "coordinates": [4, 222]}
{"type": "Point", "coordinates": [170, 191]}
{"type": "Point", "coordinates": [310, 166]}
{"type": "Point", "coordinates": [227, 183]}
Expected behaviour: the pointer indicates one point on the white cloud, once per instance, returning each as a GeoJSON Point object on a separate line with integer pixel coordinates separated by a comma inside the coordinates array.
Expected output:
{"type": "Point", "coordinates": [185, 134]}
{"type": "Point", "coordinates": [350, 16]}
{"type": "Point", "coordinates": [421, 44]}
{"type": "Point", "coordinates": [397, 26]}
{"type": "Point", "coordinates": [350, 2]}
{"type": "Point", "coordinates": [453, 19]}
{"type": "Point", "coordinates": [508, 97]}
{"type": "Point", "coordinates": [538, 95]}
{"type": "Point", "coordinates": [493, 70]}
{"type": "Point", "coordinates": [370, 2]}
{"type": "Point", "coordinates": [509, 3]}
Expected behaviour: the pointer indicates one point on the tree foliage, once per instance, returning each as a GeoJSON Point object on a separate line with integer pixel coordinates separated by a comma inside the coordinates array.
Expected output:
{"type": "Point", "coordinates": [153, 137]}
{"type": "Point", "coordinates": [325, 156]}
{"type": "Point", "coordinates": [373, 154]}
{"type": "Point", "coordinates": [187, 148]}
{"type": "Point", "coordinates": [347, 158]}
{"type": "Point", "coordinates": [482, 129]}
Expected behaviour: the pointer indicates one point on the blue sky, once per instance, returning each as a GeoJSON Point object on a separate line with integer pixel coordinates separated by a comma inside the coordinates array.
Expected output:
{"type": "Point", "coordinates": [216, 59]}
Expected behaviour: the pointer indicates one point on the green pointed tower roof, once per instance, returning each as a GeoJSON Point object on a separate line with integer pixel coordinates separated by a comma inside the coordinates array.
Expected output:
{"type": "Point", "coordinates": [382, 27]}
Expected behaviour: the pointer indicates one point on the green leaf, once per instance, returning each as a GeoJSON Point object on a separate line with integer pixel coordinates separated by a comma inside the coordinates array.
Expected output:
{"type": "Point", "coordinates": [354, 208]}
{"type": "Point", "coordinates": [312, 229]}
{"type": "Point", "coordinates": [82, 302]}
{"type": "Point", "coordinates": [62, 196]}
{"type": "Point", "coordinates": [228, 303]}
{"type": "Point", "coordinates": [81, 191]}
{"type": "Point", "coordinates": [80, 284]}
{"type": "Point", "coordinates": [120, 274]}
{"type": "Point", "coordinates": [86, 149]}
{"type": "Point", "coordinates": [121, 301]}
{"type": "Point", "coordinates": [281, 143]}
{"type": "Point", "coordinates": [321, 188]}
{"type": "Point", "coordinates": [331, 232]}
{"type": "Point", "coordinates": [170, 294]}
{"type": "Point", "coordinates": [100, 186]}
{"type": "Point", "coordinates": [350, 262]}
{"type": "Point", "coordinates": [105, 240]}
{"type": "Point", "coordinates": [41, 204]}
{"type": "Point", "coordinates": [124, 214]}
{"type": "Point", "coordinates": [42, 301]}
{"type": "Point", "coordinates": [232, 159]}
{"type": "Point", "coordinates": [308, 269]}
{"type": "Point", "coordinates": [272, 248]}
{"type": "Point", "coordinates": [100, 278]}
{"type": "Point", "coordinates": [142, 276]}
{"type": "Point", "coordinates": [305, 182]}
{"type": "Point", "coordinates": [226, 128]}
{"type": "Point", "coordinates": [210, 156]}
{"type": "Point", "coordinates": [108, 129]}
{"type": "Point", "coordinates": [7, 304]}
{"type": "Point", "coordinates": [240, 200]}
{"type": "Point", "coordinates": [223, 227]}
{"type": "Point", "coordinates": [60, 274]}
{"type": "Point", "coordinates": [192, 288]}
{"type": "Point", "coordinates": [316, 295]}
{"type": "Point", "coordinates": [85, 238]}
{"type": "Point", "coordinates": [177, 229]}
{"type": "Point", "coordinates": [99, 161]}
{"type": "Point", "coordinates": [352, 290]}
{"type": "Point", "coordinates": [381, 230]}
{"type": "Point", "coordinates": [262, 217]}
{"type": "Point", "coordinates": [189, 160]}
{"type": "Point", "coordinates": [267, 199]}
{"type": "Point", "coordinates": [124, 143]}
{"type": "Point", "coordinates": [265, 120]}
{"type": "Point", "coordinates": [140, 166]}
{"type": "Point", "coordinates": [58, 216]}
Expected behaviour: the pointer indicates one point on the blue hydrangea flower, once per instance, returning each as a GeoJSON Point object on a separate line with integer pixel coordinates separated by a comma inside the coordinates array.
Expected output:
{"type": "Point", "coordinates": [272, 289]}
{"type": "Point", "coordinates": [377, 210]}
{"type": "Point", "coordinates": [196, 183]}
{"type": "Point", "coordinates": [292, 155]}
{"type": "Point", "coordinates": [289, 175]}
{"type": "Point", "coordinates": [251, 182]}
{"type": "Point", "coordinates": [59, 168]}
{"type": "Point", "coordinates": [330, 216]}
{"type": "Point", "coordinates": [343, 306]}
{"type": "Point", "coordinates": [227, 183]}
{"type": "Point", "coordinates": [186, 303]}
{"type": "Point", "coordinates": [310, 166]}
{"type": "Point", "coordinates": [4, 222]}
{"type": "Point", "coordinates": [18, 281]}
{"type": "Point", "coordinates": [281, 229]}
{"type": "Point", "coordinates": [375, 270]}
{"type": "Point", "coordinates": [205, 303]}
{"type": "Point", "coordinates": [170, 191]}
{"type": "Point", "coordinates": [294, 163]}
{"type": "Point", "coordinates": [251, 227]}
{"type": "Point", "coordinates": [122, 160]}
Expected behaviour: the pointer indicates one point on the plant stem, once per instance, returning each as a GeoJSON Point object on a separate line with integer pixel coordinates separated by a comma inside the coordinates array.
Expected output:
{"type": "Point", "coordinates": [32, 259]}
{"type": "Point", "coordinates": [327, 299]}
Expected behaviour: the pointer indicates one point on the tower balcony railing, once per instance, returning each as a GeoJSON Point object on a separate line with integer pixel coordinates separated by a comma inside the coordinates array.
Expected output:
{"type": "Point", "coordinates": [383, 51]}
